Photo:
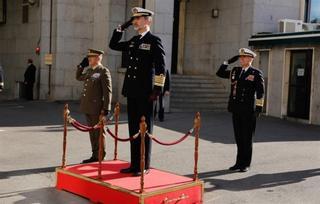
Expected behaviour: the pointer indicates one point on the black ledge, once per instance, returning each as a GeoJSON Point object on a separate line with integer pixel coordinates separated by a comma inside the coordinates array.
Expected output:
{"type": "Point", "coordinates": [270, 39]}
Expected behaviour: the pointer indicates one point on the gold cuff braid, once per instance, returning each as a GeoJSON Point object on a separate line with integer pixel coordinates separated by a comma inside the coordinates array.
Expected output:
{"type": "Point", "coordinates": [259, 102]}
{"type": "Point", "coordinates": [159, 80]}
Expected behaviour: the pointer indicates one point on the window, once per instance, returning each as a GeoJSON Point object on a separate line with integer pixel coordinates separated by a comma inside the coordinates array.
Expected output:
{"type": "Point", "coordinates": [313, 11]}
{"type": "Point", "coordinates": [3, 11]}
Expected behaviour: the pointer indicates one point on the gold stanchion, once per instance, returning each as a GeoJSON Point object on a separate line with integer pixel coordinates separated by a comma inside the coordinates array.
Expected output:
{"type": "Point", "coordinates": [196, 126]}
{"type": "Point", "coordinates": [101, 142]}
{"type": "Point", "coordinates": [116, 127]}
{"type": "Point", "coordinates": [64, 145]}
{"type": "Point", "coordinates": [143, 130]}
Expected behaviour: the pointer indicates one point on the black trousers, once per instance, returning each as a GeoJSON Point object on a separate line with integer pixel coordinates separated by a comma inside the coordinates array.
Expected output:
{"type": "Point", "coordinates": [92, 120]}
{"type": "Point", "coordinates": [160, 106]}
{"type": "Point", "coordinates": [29, 91]}
{"type": "Point", "coordinates": [138, 107]}
{"type": "Point", "coordinates": [244, 126]}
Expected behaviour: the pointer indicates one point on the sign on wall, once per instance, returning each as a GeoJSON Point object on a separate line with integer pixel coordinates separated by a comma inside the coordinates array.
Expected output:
{"type": "Point", "coordinates": [48, 59]}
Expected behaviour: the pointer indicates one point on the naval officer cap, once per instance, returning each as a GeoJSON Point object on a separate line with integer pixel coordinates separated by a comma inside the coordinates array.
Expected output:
{"type": "Point", "coordinates": [94, 52]}
{"type": "Point", "coordinates": [247, 52]}
{"type": "Point", "coordinates": [138, 11]}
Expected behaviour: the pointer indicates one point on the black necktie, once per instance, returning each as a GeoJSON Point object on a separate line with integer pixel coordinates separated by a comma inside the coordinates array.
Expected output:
{"type": "Point", "coordinates": [242, 73]}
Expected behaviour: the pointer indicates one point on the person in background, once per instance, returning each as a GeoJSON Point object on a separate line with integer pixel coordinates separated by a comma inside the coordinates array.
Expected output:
{"type": "Point", "coordinates": [29, 79]}
{"type": "Point", "coordinates": [1, 79]}
{"type": "Point", "coordinates": [159, 108]}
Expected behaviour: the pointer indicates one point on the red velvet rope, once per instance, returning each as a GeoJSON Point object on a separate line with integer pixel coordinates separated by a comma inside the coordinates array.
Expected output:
{"type": "Point", "coordinates": [170, 143]}
{"type": "Point", "coordinates": [118, 138]}
{"type": "Point", "coordinates": [82, 127]}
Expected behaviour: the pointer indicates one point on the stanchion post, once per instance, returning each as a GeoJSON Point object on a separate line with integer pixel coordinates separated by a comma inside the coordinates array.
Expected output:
{"type": "Point", "coordinates": [143, 130]}
{"type": "Point", "coordinates": [64, 145]}
{"type": "Point", "coordinates": [101, 142]}
{"type": "Point", "coordinates": [116, 127]}
{"type": "Point", "coordinates": [197, 124]}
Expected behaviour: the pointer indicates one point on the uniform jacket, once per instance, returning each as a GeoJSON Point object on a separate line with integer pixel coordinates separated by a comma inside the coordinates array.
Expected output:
{"type": "Point", "coordinates": [146, 59]}
{"type": "Point", "coordinates": [97, 90]}
{"type": "Point", "coordinates": [30, 74]}
{"type": "Point", "coordinates": [245, 89]}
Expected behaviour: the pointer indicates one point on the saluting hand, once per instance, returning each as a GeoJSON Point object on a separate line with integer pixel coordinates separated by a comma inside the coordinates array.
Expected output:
{"type": "Point", "coordinates": [126, 24]}
{"type": "Point", "coordinates": [233, 59]}
{"type": "Point", "coordinates": [85, 62]}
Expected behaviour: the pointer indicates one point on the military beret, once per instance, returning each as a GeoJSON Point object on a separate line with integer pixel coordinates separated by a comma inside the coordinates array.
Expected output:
{"type": "Point", "coordinates": [94, 52]}
{"type": "Point", "coordinates": [137, 11]}
{"type": "Point", "coordinates": [247, 52]}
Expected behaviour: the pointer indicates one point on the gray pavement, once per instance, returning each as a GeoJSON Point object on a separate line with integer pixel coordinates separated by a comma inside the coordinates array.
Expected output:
{"type": "Point", "coordinates": [285, 169]}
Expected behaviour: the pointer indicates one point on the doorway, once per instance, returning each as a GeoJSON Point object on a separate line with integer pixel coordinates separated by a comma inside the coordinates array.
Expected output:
{"type": "Point", "coordinates": [300, 84]}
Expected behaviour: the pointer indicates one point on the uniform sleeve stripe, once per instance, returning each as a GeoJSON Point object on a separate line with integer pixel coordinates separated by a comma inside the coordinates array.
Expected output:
{"type": "Point", "coordinates": [159, 80]}
{"type": "Point", "coordinates": [259, 102]}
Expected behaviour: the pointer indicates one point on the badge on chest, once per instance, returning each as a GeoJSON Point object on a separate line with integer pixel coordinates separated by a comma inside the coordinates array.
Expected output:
{"type": "Point", "coordinates": [95, 76]}
{"type": "Point", "coordinates": [144, 46]}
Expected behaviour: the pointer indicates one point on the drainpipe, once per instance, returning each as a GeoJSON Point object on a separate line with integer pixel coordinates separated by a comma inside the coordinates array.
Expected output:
{"type": "Point", "coordinates": [50, 50]}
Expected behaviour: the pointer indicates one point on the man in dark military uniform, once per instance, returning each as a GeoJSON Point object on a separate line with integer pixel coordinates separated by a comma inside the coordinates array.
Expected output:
{"type": "Point", "coordinates": [245, 103]}
{"type": "Point", "coordinates": [29, 79]}
{"type": "Point", "coordinates": [1, 79]}
{"type": "Point", "coordinates": [96, 95]}
{"type": "Point", "coordinates": [143, 81]}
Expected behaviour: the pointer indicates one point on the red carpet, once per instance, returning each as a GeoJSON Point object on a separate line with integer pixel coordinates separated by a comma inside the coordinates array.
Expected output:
{"type": "Point", "coordinates": [117, 188]}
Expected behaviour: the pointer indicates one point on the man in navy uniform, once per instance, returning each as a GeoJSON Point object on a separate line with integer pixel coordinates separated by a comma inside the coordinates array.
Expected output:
{"type": "Point", "coordinates": [96, 95]}
{"type": "Point", "coordinates": [144, 79]}
{"type": "Point", "coordinates": [245, 103]}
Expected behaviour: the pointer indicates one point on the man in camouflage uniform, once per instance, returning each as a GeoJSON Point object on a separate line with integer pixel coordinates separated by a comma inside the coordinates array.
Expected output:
{"type": "Point", "coordinates": [96, 95]}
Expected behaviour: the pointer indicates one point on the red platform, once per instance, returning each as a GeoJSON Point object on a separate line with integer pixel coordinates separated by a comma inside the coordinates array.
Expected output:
{"type": "Point", "coordinates": [160, 187]}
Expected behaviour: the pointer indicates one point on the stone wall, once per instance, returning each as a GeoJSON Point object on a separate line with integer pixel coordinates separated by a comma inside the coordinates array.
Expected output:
{"type": "Point", "coordinates": [18, 43]}
{"type": "Point", "coordinates": [209, 41]}
{"type": "Point", "coordinates": [267, 14]}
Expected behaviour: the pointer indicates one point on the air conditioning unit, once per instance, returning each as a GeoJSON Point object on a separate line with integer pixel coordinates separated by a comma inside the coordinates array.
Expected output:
{"type": "Point", "coordinates": [310, 26]}
{"type": "Point", "coordinates": [290, 26]}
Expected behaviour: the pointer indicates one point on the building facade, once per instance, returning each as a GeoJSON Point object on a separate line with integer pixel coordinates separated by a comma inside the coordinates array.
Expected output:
{"type": "Point", "coordinates": [197, 34]}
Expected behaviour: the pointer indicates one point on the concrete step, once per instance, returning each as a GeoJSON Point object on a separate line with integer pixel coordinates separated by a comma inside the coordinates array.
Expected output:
{"type": "Point", "coordinates": [199, 100]}
{"type": "Point", "coordinates": [196, 85]}
{"type": "Point", "coordinates": [197, 93]}
{"type": "Point", "coordinates": [197, 90]}
{"type": "Point", "coordinates": [200, 95]}
{"type": "Point", "coordinates": [197, 77]}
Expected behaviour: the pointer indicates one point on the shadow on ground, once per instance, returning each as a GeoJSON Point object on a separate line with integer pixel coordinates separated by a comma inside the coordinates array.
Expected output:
{"type": "Point", "coordinates": [44, 195]}
{"type": "Point", "coordinates": [253, 182]}
{"type": "Point", "coordinates": [217, 127]}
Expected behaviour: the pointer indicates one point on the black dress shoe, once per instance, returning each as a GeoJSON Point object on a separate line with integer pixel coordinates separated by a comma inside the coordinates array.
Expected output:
{"type": "Point", "coordinates": [92, 159]}
{"type": "Point", "coordinates": [234, 168]}
{"type": "Point", "coordinates": [127, 170]}
{"type": "Point", "coordinates": [138, 173]}
{"type": "Point", "coordinates": [244, 169]}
